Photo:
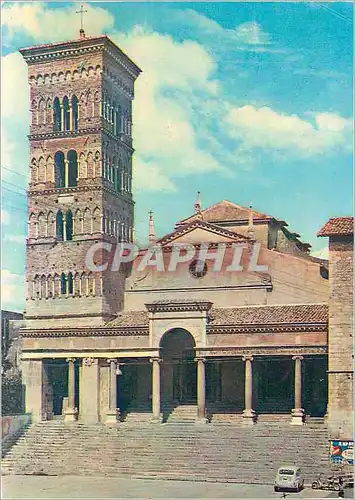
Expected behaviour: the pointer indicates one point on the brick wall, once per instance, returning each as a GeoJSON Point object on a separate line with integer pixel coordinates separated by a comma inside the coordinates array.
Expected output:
{"type": "Point", "coordinates": [340, 406]}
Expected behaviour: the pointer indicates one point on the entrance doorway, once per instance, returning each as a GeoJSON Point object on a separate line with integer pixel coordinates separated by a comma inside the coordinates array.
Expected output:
{"type": "Point", "coordinates": [179, 373]}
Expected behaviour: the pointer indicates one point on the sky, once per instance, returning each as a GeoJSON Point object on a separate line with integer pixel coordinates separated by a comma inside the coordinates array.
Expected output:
{"type": "Point", "coordinates": [248, 102]}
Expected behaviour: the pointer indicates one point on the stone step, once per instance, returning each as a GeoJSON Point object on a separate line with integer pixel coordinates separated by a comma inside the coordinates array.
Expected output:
{"type": "Point", "coordinates": [217, 451]}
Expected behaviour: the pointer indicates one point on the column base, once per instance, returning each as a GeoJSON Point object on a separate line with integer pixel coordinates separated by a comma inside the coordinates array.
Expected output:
{"type": "Point", "coordinates": [157, 419]}
{"type": "Point", "coordinates": [297, 416]}
{"type": "Point", "coordinates": [201, 420]}
{"type": "Point", "coordinates": [112, 416]}
{"type": "Point", "coordinates": [249, 417]}
{"type": "Point", "coordinates": [70, 414]}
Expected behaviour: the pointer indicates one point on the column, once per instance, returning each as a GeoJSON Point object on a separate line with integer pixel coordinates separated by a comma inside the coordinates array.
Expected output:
{"type": "Point", "coordinates": [66, 173]}
{"type": "Point", "coordinates": [62, 117]}
{"type": "Point", "coordinates": [248, 412]}
{"type": "Point", "coordinates": [70, 117]}
{"type": "Point", "coordinates": [70, 413]}
{"type": "Point", "coordinates": [297, 414]}
{"type": "Point", "coordinates": [113, 411]}
{"type": "Point", "coordinates": [201, 390]}
{"type": "Point", "coordinates": [156, 389]}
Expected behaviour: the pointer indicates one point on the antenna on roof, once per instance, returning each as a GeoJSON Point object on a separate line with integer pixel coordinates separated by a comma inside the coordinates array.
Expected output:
{"type": "Point", "coordinates": [198, 204]}
{"type": "Point", "coordinates": [251, 223]}
{"type": "Point", "coordinates": [151, 228]}
{"type": "Point", "coordinates": [81, 12]}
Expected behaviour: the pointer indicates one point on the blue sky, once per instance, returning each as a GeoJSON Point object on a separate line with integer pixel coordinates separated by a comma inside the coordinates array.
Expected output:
{"type": "Point", "coordinates": [241, 101]}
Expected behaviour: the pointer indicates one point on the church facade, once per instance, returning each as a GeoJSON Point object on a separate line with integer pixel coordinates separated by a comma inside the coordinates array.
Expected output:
{"type": "Point", "coordinates": [266, 333]}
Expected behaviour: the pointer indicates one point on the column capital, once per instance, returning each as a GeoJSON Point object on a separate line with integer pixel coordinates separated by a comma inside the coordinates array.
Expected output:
{"type": "Point", "coordinates": [155, 358]}
{"type": "Point", "coordinates": [68, 360]}
{"type": "Point", "coordinates": [111, 360]}
{"type": "Point", "coordinates": [297, 356]}
{"type": "Point", "coordinates": [88, 361]}
{"type": "Point", "coordinates": [247, 358]}
{"type": "Point", "coordinates": [200, 358]}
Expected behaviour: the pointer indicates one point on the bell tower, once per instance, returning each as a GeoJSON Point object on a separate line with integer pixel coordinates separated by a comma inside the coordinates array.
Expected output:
{"type": "Point", "coordinates": [80, 193]}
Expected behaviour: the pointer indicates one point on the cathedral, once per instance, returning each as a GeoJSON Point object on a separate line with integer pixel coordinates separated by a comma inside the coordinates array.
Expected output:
{"type": "Point", "coordinates": [267, 334]}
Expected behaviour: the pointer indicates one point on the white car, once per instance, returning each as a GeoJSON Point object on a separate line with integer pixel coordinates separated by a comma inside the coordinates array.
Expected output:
{"type": "Point", "coordinates": [289, 477]}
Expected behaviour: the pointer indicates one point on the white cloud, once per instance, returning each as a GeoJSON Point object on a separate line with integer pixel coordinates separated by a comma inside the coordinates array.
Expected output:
{"type": "Point", "coordinates": [245, 36]}
{"type": "Point", "coordinates": [321, 254]}
{"type": "Point", "coordinates": [5, 217]}
{"type": "Point", "coordinates": [251, 33]}
{"type": "Point", "coordinates": [16, 238]}
{"type": "Point", "coordinates": [14, 87]}
{"type": "Point", "coordinates": [268, 129]}
{"type": "Point", "coordinates": [44, 23]}
{"type": "Point", "coordinates": [165, 139]}
{"type": "Point", "coordinates": [12, 290]}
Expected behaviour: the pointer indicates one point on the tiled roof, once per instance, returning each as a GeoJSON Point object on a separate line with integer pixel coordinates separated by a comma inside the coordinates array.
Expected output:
{"type": "Point", "coordinates": [250, 315]}
{"type": "Point", "coordinates": [226, 210]}
{"type": "Point", "coordinates": [338, 225]}
{"type": "Point", "coordinates": [275, 314]}
{"type": "Point", "coordinates": [129, 318]}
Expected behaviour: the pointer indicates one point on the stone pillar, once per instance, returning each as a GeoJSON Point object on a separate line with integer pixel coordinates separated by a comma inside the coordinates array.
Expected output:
{"type": "Point", "coordinates": [32, 377]}
{"type": "Point", "coordinates": [201, 390]}
{"type": "Point", "coordinates": [156, 389]}
{"type": "Point", "coordinates": [89, 391]}
{"type": "Point", "coordinates": [70, 413]}
{"type": "Point", "coordinates": [113, 411]}
{"type": "Point", "coordinates": [248, 412]}
{"type": "Point", "coordinates": [297, 412]}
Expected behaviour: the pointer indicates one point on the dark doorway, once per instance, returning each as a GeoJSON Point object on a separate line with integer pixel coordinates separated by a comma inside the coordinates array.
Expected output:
{"type": "Point", "coordinates": [180, 376]}
{"type": "Point", "coordinates": [274, 385]}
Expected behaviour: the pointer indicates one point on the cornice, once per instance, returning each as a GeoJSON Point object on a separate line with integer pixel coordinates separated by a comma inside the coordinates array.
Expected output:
{"type": "Point", "coordinates": [87, 332]}
{"type": "Point", "coordinates": [63, 134]}
{"type": "Point", "coordinates": [271, 328]}
{"type": "Point", "coordinates": [52, 54]}
{"type": "Point", "coordinates": [178, 306]}
{"type": "Point", "coordinates": [262, 351]}
{"type": "Point", "coordinates": [79, 189]}
{"type": "Point", "coordinates": [73, 48]}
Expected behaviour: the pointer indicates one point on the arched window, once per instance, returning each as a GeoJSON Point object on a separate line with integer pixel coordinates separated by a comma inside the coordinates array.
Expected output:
{"type": "Point", "coordinates": [72, 168]}
{"type": "Point", "coordinates": [59, 230]}
{"type": "Point", "coordinates": [57, 118]}
{"type": "Point", "coordinates": [74, 110]}
{"type": "Point", "coordinates": [63, 284]}
{"type": "Point", "coordinates": [69, 225]}
{"type": "Point", "coordinates": [70, 284]}
{"type": "Point", "coordinates": [59, 172]}
{"type": "Point", "coordinates": [66, 114]}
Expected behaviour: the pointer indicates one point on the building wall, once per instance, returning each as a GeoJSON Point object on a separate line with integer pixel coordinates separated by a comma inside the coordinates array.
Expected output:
{"type": "Point", "coordinates": [294, 280]}
{"type": "Point", "coordinates": [341, 341]}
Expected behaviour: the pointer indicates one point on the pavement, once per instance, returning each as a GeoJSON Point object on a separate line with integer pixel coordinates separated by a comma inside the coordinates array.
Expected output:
{"type": "Point", "coordinates": [74, 487]}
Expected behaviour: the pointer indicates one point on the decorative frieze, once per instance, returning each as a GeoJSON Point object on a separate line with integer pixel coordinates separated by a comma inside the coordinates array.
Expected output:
{"type": "Point", "coordinates": [88, 332]}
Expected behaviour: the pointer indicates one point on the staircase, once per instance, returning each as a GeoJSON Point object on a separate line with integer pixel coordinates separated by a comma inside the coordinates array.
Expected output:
{"type": "Point", "coordinates": [180, 414]}
{"type": "Point", "coordinates": [212, 452]}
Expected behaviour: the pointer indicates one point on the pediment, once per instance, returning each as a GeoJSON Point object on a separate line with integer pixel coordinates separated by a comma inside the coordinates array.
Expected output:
{"type": "Point", "coordinates": [198, 231]}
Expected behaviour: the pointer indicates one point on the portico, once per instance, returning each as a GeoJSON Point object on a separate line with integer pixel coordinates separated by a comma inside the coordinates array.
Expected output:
{"type": "Point", "coordinates": [168, 366]}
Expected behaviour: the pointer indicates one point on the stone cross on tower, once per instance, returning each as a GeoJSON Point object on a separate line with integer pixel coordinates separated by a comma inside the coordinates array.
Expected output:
{"type": "Point", "coordinates": [81, 12]}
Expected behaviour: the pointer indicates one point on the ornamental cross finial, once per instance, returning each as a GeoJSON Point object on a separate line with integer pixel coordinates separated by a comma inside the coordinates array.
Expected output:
{"type": "Point", "coordinates": [81, 12]}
